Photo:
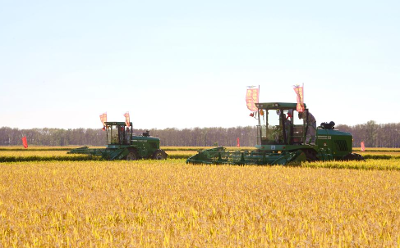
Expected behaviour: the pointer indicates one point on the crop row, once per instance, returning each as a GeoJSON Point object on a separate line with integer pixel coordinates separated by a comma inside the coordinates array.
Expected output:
{"type": "Point", "coordinates": [370, 164]}
{"type": "Point", "coordinates": [45, 155]}
{"type": "Point", "coordinates": [16, 156]}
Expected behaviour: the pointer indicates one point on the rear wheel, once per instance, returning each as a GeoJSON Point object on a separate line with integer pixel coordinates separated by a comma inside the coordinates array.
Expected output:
{"type": "Point", "coordinates": [132, 155]}
{"type": "Point", "coordinates": [159, 155]}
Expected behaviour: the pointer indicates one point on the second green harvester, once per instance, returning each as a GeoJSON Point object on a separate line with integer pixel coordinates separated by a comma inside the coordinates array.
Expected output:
{"type": "Point", "coordinates": [123, 145]}
{"type": "Point", "coordinates": [285, 136]}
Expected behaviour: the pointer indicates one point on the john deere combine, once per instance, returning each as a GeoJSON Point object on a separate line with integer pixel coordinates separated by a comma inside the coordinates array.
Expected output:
{"type": "Point", "coordinates": [122, 144]}
{"type": "Point", "coordinates": [285, 136]}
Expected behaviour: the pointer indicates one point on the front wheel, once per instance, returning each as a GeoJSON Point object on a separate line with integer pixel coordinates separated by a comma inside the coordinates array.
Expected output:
{"type": "Point", "coordinates": [159, 155]}
{"type": "Point", "coordinates": [132, 155]}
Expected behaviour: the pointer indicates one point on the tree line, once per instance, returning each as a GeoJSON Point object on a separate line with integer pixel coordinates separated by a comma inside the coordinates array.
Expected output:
{"type": "Point", "coordinates": [371, 133]}
{"type": "Point", "coordinates": [97, 137]}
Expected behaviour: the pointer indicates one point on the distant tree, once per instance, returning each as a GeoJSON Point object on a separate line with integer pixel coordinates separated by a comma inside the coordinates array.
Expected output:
{"type": "Point", "coordinates": [370, 133]}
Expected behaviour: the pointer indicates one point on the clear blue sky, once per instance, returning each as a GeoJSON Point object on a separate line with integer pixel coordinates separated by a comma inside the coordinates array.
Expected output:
{"type": "Point", "coordinates": [186, 64]}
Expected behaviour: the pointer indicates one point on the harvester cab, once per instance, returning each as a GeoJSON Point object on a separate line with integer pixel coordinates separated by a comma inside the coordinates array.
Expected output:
{"type": "Point", "coordinates": [122, 144]}
{"type": "Point", "coordinates": [118, 133]}
{"type": "Point", "coordinates": [280, 126]}
{"type": "Point", "coordinates": [285, 136]}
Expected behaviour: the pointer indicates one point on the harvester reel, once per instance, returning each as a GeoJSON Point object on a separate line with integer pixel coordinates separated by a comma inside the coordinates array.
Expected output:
{"type": "Point", "coordinates": [159, 155]}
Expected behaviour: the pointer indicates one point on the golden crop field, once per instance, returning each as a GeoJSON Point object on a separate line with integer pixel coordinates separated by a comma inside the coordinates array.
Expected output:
{"type": "Point", "coordinates": [170, 204]}
{"type": "Point", "coordinates": [149, 203]}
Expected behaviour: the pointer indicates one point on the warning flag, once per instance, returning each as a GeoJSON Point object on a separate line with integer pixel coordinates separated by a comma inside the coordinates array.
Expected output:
{"type": "Point", "coordinates": [252, 94]}
{"type": "Point", "coordinates": [24, 142]}
{"type": "Point", "coordinates": [103, 119]}
{"type": "Point", "coordinates": [300, 97]}
{"type": "Point", "coordinates": [238, 142]}
{"type": "Point", "coordinates": [362, 146]}
{"type": "Point", "coordinates": [127, 119]}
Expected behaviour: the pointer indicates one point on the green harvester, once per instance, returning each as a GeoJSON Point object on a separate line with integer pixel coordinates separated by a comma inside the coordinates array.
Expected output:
{"type": "Point", "coordinates": [285, 137]}
{"type": "Point", "coordinates": [122, 144]}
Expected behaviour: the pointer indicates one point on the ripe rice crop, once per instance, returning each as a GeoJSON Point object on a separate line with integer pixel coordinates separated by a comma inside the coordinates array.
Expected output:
{"type": "Point", "coordinates": [18, 156]}
{"type": "Point", "coordinates": [47, 155]}
{"type": "Point", "coordinates": [42, 153]}
{"type": "Point", "coordinates": [171, 204]}
{"type": "Point", "coordinates": [369, 164]}
{"type": "Point", "coordinates": [37, 148]}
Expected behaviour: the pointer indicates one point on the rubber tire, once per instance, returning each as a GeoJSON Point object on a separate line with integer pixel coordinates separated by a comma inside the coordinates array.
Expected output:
{"type": "Point", "coordinates": [159, 155]}
{"type": "Point", "coordinates": [132, 155]}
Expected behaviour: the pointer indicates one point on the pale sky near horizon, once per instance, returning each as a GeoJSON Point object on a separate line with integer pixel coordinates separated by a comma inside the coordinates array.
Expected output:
{"type": "Point", "coordinates": [186, 64]}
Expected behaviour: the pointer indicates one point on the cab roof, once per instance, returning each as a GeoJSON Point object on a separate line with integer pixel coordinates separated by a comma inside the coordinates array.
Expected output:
{"type": "Point", "coordinates": [277, 105]}
{"type": "Point", "coordinates": [121, 123]}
